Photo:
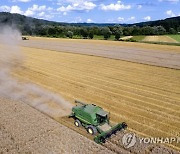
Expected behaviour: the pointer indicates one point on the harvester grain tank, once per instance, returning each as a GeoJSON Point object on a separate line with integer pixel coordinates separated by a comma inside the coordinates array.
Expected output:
{"type": "Point", "coordinates": [95, 120]}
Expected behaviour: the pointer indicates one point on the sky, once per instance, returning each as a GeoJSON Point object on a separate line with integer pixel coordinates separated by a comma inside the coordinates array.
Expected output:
{"type": "Point", "coordinates": [94, 11]}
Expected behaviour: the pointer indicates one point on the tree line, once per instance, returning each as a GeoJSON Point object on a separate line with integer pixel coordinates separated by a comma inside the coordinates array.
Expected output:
{"type": "Point", "coordinates": [89, 32]}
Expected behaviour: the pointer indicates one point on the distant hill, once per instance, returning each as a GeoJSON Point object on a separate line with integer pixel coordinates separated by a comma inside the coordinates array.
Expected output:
{"type": "Point", "coordinates": [168, 23]}
{"type": "Point", "coordinates": [17, 19]}
{"type": "Point", "coordinates": [40, 27]}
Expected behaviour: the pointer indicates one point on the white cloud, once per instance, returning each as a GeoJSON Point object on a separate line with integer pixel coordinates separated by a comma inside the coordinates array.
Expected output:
{"type": "Point", "coordinates": [64, 13]}
{"type": "Point", "coordinates": [42, 11]}
{"type": "Point", "coordinates": [5, 8]}
{"type": "Point", "coordinates": [49, 8]}
{"type": "Point", "coordinates": [41, 14]}
{"type": "Point", "coordinates": [170, 13]}
{"type": "Point", "coordinates": [34, 9]}
{"type": "Point", "coordinates": [120, 19]}
{"type": "Point", "coordinates": [148, 18]}
{"type": "Point", "coordinates": [77, 5]}
{"type": "Point", "coordinates": [43, 7]}
{"type": "Point", "coordinates": [77, 20]}
{"type": "Point", "coordinates": [38, 8]}
{"type": "Point", "coordinates": [63, 9]}
{"type": "Point", "coordinates": [89, 21]}
{"type": "Point", "coordinates": [16, 9]}
{"type": "Point", "coordinates": [29, 13]}
{"type": "Point", "coordinates": [139, 6]}
{"type": "Point", "coordinates": [115, 7]}
{"type": "Point", "coordinates": [12, 9]}
{"type": "Point", "coordinates": [47, 17]}
{"type": "Point", "coordinates": [131, 18]}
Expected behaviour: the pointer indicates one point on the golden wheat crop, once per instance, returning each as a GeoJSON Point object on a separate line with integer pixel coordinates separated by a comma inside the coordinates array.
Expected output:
{"type": "Point", "coordinates": [146, 97]}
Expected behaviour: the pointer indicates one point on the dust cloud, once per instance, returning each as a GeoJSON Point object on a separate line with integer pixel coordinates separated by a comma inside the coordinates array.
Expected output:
{"type": "Point", "coordinates": [12, 58]}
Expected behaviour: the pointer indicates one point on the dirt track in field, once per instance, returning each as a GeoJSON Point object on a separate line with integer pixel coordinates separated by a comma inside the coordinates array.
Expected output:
{"type": "Point", "coordinates": [165, 56]}
{"type": "Point", "coordinates": [26, 130]}
{"type": "Point", "coordinates": [146, 97]}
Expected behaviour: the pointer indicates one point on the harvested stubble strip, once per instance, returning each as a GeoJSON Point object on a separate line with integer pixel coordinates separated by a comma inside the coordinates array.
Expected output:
{"type": "Point", "coordinates": [26, 130]}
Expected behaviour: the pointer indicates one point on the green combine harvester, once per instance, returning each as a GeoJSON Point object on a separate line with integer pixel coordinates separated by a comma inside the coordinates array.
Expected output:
{"type": "Point", "coordinates": [95, 120]}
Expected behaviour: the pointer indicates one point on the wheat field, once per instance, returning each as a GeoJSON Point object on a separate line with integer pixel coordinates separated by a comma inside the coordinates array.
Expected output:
{"type": "Point", "coordinates": [146, 97]}
{"type": "Point", "coordinates": [159, 39]}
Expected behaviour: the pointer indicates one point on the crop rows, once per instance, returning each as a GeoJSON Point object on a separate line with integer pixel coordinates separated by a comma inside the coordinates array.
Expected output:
{"type": "Point", "coordinates": [146, 97]}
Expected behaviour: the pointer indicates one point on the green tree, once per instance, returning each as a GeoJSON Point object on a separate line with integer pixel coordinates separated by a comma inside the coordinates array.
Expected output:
{"type": "Point", "coordinates": [147, 30]}
{"type": "Point", "coordinates": [52, 31]}
{"type": "Point", "coordinates": [91, 34]}
{"type": "Point", "coordinates": [118, 33]}
{"type": "Point", "coordinates": [178, 29]}
{"type": "Point", "coordinates": [106, 33]}
{"type": "Point", "coordinates": [161, 30]}
{"type": "Point", "coordinates": [96, 30]}
{"type": "Point", "coordinates": [172, 31]}
{"type": "Point", "coordinates": [136, 30]}
{"type": "Point", "coordinates": [127, 31]}
{"type": "Point", "coordinates": [27, 30]}
{"type": "Point", "coordinates": [42, 31]}
{"type": "Point", "coordinates": [69, 34]}
{"type": "Point", "coordinates": [115, 28]}
{"type": "Point", "coordinates": [59, 31]}
{"type": "Point", "coordinates": [84, 32]}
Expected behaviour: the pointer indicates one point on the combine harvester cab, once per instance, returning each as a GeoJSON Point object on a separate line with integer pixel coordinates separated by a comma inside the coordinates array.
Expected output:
{"type": "Point", "coordinates": [95, 120]}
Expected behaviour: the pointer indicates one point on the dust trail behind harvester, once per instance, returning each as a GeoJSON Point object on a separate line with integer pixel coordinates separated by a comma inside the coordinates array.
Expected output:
{"type": "Point", "coordinates": [11, 58]}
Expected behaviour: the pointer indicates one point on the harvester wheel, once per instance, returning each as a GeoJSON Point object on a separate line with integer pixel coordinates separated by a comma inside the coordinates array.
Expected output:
{"type": "Point", "coordinates": [77, 123]}
{"type": "Point", "coordinates": [91, 130]}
